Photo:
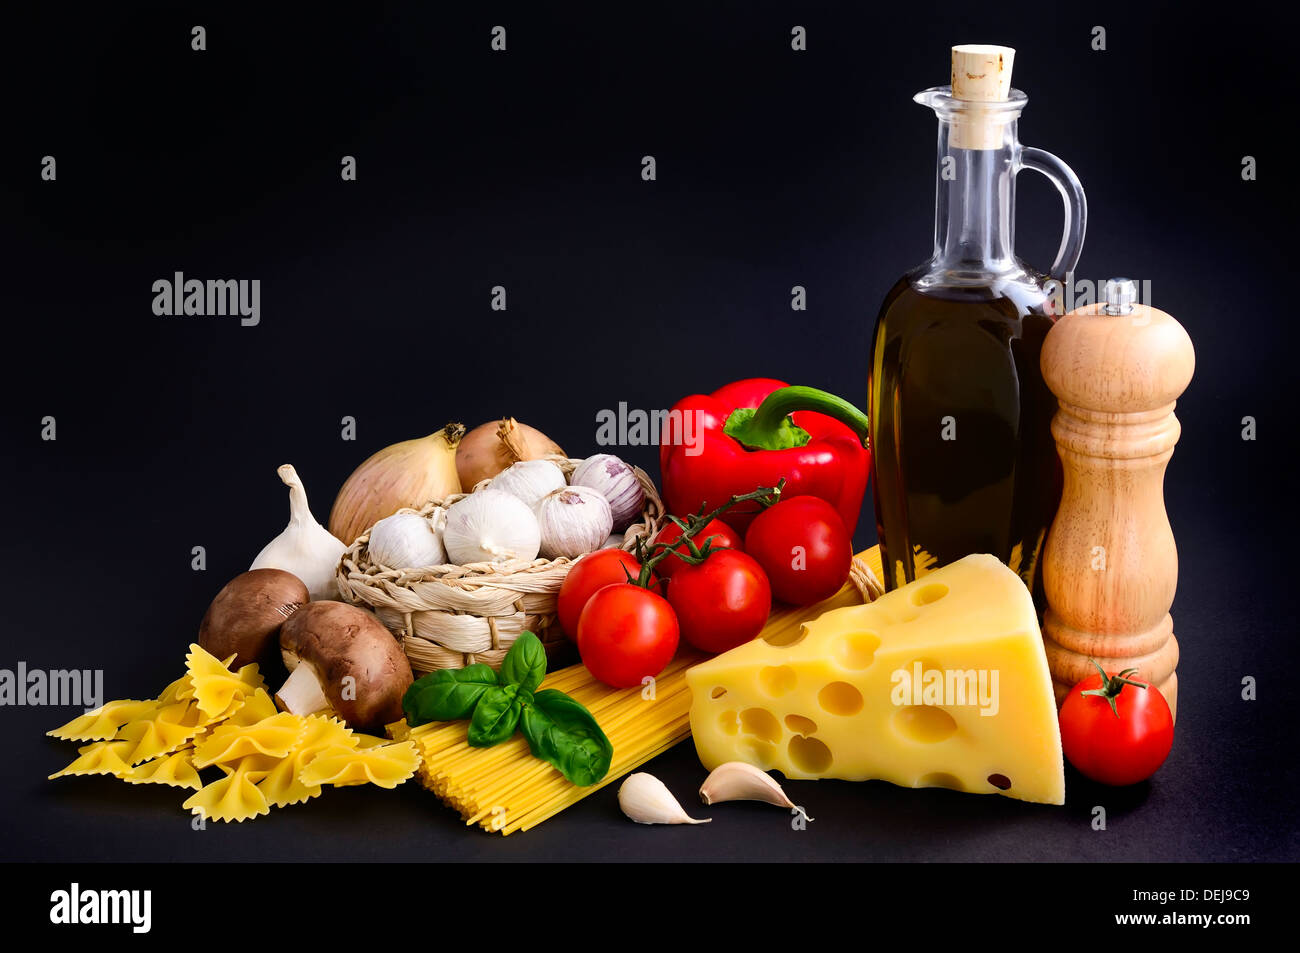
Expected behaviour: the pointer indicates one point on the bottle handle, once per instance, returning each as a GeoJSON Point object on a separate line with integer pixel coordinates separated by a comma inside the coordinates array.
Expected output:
{"type": "Point", "coordinates": [1076, 205]}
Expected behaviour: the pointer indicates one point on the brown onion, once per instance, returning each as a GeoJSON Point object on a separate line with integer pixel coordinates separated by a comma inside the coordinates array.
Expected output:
{"type": "Point", "coordinates": [410, 473]}
{"type": "Point", "coordinates": [491, 447]}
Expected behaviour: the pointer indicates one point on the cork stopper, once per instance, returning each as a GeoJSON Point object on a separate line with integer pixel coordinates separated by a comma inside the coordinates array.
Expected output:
{"type": "Point", "coordinates": [980, 74]}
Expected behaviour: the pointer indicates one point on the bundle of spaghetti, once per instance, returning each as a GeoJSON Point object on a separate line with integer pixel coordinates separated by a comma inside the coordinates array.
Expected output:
{"type": "Point", "coordinates": [504, 788]}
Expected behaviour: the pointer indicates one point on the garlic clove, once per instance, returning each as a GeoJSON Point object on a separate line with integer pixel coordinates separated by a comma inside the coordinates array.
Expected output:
{"type": "Point", "coordinates": [646, 800]}
{"type": "Point", "coordinates": [739, 781]}
{"type": "Point", "coordinates": [305, 548]}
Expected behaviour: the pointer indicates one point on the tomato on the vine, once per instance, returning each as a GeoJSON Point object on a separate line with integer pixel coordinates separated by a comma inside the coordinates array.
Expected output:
{"type": "Point", "coordinates": [593, 572]}
{"type": "Point", "coordinates": [1114, 729]}
{"type": "Point", "coordinates": [802, 545]}
{"type": "Point", "coordinates": [626, 633]}
{"type": "Point", "coordinates": [722, 602]}
{"type": "Point", "coordinates": [723, 537]}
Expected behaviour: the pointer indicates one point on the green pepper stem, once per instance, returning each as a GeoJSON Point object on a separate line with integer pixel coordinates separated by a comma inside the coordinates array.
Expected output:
{"type": "Point", "coordinates": [769, 428]}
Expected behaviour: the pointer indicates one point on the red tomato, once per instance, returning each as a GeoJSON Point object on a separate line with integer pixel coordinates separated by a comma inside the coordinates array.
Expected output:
{"type": "Point", "coordinates": [721, 603]}
{"type": "Point", "coordinates": [1118, 746]}
{"type": "Point", "coordinates": [626, 633]}
{"type": "Point", "coordinates": [724, 537]}
{"type": "Point", "coordinates": [592, 573]}
{"type": "Point", "coordinates": [802, 545]}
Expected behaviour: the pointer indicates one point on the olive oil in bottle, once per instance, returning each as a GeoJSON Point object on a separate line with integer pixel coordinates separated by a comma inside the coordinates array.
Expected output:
{"type": "Point", "coordinates": [963, 459]}
{"type": "Point", "coordinates": [961, 431]}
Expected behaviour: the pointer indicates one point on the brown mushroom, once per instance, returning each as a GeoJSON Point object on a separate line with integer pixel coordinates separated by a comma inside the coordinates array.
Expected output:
{"type": "Point", "coordinates": [342, 657]}
{"type": "Point", "coordinates": [245, 617]}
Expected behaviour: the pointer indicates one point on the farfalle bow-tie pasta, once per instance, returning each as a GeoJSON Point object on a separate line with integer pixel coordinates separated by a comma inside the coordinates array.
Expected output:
{"type": "Point", "coordinates": [215, 718]}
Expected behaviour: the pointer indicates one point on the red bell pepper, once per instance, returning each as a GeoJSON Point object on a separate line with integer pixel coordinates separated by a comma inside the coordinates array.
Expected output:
{"type": "Point", "coordinates": [755, 432]}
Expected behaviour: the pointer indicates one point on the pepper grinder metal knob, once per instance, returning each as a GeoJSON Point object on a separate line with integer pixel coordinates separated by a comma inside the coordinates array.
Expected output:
{"type": "Point", "coordinates": [1120, 294]}
{"type": "Point", "coordinates": [1110, 566]}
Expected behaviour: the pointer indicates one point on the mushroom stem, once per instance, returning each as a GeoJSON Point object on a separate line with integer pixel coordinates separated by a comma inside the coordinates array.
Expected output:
{"type": "Point", "coordinates": [353, 663]}
{"type": "Point", "coordinates": [301, 692]}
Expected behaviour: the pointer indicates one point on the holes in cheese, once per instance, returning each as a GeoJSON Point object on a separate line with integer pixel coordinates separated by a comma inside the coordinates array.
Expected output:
{"type": "Point", "coordinates": [810, 755]}
{"type": "Point", "coordinates": [729, 722]}
{"type": "Point", "coordinates": [924, 724]}
{"type": "Point", "coordinates": [840, 698]}
{"type": "Point", "coordinates": [856, 650]}
{"type": "Point", "coordinates": [941, 683]}
{"type": "Point", "coordinates": [801, 725]}
{"type": "Point", "coordinates": [760, 723]}
{"type": "Point", "coordinates": [785, 637]}
{"type": "Point", "coordinates": [929, 593]}
{"type": "Point", "coordinates": [940, 779]}
{"type": "Point", "coordinates": [778, 680]}
{"type": "Point", "coordinates": [758, 753]}
{"type": "Point", "coordinates": [717, 692]}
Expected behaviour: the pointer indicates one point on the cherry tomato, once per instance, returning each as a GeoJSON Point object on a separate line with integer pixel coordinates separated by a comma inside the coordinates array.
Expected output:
{"type": "Point", "coordinates": [594, 572]}
{"type": "Point", "coordinates": [802, 545]}
{"type": "Point", "coordinates": [1115, 729]}
{"type": "Point", "coordinates": [722, 602]}
{"type": "Point", "coordinates": [626, 633]}
{"type": "Point", "coordinates": [724, 537]}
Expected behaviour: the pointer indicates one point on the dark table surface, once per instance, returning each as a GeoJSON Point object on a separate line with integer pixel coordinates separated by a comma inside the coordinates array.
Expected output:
{"type": "Point", "coordinates": [1223, 795]}
{"type": "Point", "coordinates": [522, 169]}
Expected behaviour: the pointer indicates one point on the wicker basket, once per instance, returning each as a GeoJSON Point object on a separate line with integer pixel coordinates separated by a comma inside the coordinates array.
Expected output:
{"type": "Point", "coordinates": [452, 616]}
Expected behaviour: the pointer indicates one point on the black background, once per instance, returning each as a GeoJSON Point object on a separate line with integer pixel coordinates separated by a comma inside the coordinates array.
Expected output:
{"type": "Point", "coordinates": [522, 169]}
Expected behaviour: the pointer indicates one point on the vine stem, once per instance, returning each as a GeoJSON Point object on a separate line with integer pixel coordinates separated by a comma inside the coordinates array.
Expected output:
{"type": "Point", "coordinates": [765, 496]}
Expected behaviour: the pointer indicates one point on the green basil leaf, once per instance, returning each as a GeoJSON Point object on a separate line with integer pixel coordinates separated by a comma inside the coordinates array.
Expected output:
{"type": "Point", "coordinates": [495, 717]}
{"type": "Point", "coordinates": [446, 695]}
{"type": "Point", "coordinates": [525, 663]}
{"type": "Point", "coordinates": [563, 733]}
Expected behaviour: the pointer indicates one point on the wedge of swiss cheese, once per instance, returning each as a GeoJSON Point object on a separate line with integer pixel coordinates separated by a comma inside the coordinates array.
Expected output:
{"type": "Point", "coordinates": [942, 683]}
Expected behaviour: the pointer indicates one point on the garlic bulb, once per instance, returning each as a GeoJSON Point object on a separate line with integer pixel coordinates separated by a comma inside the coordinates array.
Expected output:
{"type": "Point", "coordinates": [646, 800]}
{"type": "Point", "coordinates": [530, 480]}
{"type": "Point", "coordinates": [305, 548]}
{"type": "Point", "coordinates": [740, 781]}
{"type": "Point", "coordinates": [573, 521]}
{"type": "Point", "coordinates": [616, 481]}
{"type": "Point", "coordinates": [410, 473]}
{"type": "Point", "coordinates": [406, 540]}
{"type": "Point", "coordinates": [490, 527]}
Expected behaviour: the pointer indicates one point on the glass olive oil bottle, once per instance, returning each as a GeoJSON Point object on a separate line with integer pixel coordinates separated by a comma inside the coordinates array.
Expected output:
{"type": "Point", "coordinates": [963, 459]}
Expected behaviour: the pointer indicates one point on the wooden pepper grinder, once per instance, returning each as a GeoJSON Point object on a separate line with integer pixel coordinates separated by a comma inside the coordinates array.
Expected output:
{"type": "Point", "coordinates": [1110, 567]}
